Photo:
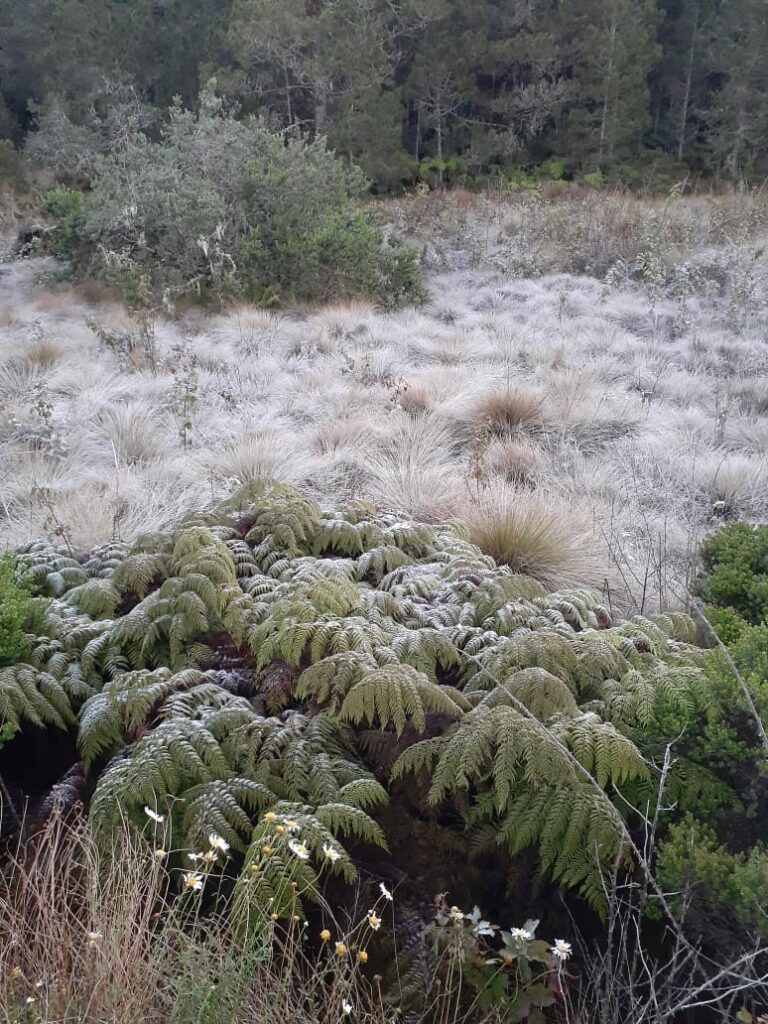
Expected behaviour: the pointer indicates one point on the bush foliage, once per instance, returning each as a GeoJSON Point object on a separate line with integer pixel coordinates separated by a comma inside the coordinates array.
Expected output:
{"type": "Point", "coordinates": [718, 856]}
{"type": "Point", "coordinates": [20, 615]}
{"type": "Point", "coordinates": [226, 207]}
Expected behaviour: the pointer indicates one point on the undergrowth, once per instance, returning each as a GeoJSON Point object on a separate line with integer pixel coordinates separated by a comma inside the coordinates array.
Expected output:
{"type": "Point", "coordinates": [336, 697]}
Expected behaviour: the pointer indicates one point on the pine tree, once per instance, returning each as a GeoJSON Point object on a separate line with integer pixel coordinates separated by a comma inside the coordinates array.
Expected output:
{"type": "Point", "coordinates": [610, 49]}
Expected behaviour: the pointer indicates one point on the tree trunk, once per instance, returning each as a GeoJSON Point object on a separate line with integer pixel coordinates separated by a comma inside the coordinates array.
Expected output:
{"type": "Point", "coordinates": [321, 105]}
{"type": "Point", "coordinates": [289, 111]}
{"type": "Point", "coordinates": [608, 81]}
{"type": "Point", "coordinates": [688, 79]}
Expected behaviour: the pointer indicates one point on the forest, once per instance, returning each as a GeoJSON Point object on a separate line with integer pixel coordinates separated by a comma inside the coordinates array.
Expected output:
{"type": "Point", "coordinates": [442, 91]}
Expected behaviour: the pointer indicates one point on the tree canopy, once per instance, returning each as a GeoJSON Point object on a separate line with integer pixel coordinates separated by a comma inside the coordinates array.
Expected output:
{"type": "Point", "coordinates": [442, 89]}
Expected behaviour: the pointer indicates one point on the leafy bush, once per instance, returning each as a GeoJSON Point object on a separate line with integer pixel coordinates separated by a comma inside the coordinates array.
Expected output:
{"type": "Point", "coordinates": [736, 884]}
{"type": "Point", "coordinates": [715, 857]}
{"type": "Point", "coordinates": [20, 614]}
{"type": "Point", "coordinates": [65, 206]}
{"type": "Point", "coordinates": [736, 567]}
{"type": "Point", "coordinates": [221, 206]}
{"type": "Point", "coordinates": [735, 587]}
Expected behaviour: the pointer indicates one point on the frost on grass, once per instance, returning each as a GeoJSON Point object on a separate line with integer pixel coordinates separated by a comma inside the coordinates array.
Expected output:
{"type": "Point", "coordinates": [599, 365]}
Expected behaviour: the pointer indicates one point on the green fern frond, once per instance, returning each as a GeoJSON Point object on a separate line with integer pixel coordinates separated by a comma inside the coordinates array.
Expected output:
{"type": "Point", "coordinates": [395, 695]}
{"type": "Point", "coordinates": [47, 570]}
{"type": "Point", "coordinates": [225, 807]}
{"type": "Point", "coordinates": [30, 695]}
{"type": "Point", "coordinates": [98, 598]}
{"type": "Point", "coordinates": [329, 680]}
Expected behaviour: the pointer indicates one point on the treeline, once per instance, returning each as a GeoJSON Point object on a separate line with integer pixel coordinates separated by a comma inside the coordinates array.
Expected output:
{"type": "Point", "coordinates": [442, 90]}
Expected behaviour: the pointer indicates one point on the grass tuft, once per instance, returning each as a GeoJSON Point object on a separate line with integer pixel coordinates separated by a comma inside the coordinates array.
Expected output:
{"type": "Point", "coordinates": [509, 409]}
{"type": "Point", "coordinates": [535, 535]}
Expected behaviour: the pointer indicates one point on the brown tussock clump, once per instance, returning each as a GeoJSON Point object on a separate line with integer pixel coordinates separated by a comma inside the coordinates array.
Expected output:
{"type": "Point", "coordinates": [514, 460]}
{"type": "Point", "coordinates": [534, 535]}
{"type": "Point", "coordinates": [509, 409]}
{"type": "Point", "coordinates": [415, 399]}
{"type": "Point", "coordinates": [43, 353]}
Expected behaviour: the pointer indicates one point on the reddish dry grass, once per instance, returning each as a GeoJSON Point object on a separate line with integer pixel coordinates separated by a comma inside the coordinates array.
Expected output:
{"type": "Point", "coordinates": [514, 460]}
{"type": "Point", "coordinates": [415, 399]}
{"type": "Point", "coordinates": [536, 536]}
{"type": "Point", "coordinates": [509, 409]}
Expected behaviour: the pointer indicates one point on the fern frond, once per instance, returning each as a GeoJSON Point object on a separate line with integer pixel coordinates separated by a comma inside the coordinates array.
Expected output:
{"type": "Point", "coordinates": [395, 695]}
{"type": "Point", "coordinates": [30, 695]}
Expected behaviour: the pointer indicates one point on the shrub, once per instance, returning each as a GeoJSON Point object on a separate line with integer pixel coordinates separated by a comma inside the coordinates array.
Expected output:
{"type": "Point", "coordinates": [736, 570]}
{"type": "Point", "coordinates": [223, 207]}
{"type": "Point", "coordinates": [67, 237]}
{"type": "Point", "coordinates": [20, 614]}
{"type": "Point", "coordinates": [723, 886]}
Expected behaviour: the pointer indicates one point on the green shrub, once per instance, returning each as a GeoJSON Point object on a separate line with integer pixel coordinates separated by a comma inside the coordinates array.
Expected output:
{"type": "Point", "coordinates": [727, 623]}
{"type": "Point", "coordinates": [731, 888]}
{"type": "Point", "coordinates": [64, 206]}
{"type": "Point", "coordinates": [594, 179]}
{"type": "Point", "coordinates": [20, 614]}
{"type": "Point", "coordinates": [736, 566]}
{"type": "Point", "coordinates": [226, 207]}
{"type": "Point", "coordinates": [555, 168]}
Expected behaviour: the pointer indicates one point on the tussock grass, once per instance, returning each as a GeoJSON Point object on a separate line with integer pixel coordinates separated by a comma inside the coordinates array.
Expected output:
{"type": "Point", "coordinates": [543, 358]}
{"type": "Point", "coordinates": [508, 409]}
{"type": "Point", "coordinates": [513, 459]}
{"type": "Point", "coordinates": [536, 535]}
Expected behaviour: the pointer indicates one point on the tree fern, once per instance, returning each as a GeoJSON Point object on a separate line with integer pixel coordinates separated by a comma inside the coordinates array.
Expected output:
{"type": "Point", "coordinates": [270, 657]}
{"type": "Point", "coordinates": [126, 703]}
{"type": "Point", "coordinates": [48, 570]}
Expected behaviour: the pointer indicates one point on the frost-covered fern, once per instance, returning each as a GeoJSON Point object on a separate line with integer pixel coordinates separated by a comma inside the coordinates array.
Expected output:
{"type": "Point", "coordinates": [271, 654]}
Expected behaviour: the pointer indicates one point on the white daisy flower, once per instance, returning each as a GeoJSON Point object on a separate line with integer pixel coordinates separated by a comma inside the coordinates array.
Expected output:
{"type": "Point", "coordinates": [561, 949]}
{"type": "Point", "coordinates": [374, 921]}
{"type": "Point", "coordinates": [217, 843]}
{"type": "Point", "coordinates": [154, 815]}
{"type": "Point", "coordinates": [521, 934]}
{"type": "Point", "coordinates": [193, 880]}
{"type": "Point", "coordinates": [331, 854]}
{"type": "Point", "coordinates": [385, 892]}
{"type": "Point", "coordinates": [299, 849]}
